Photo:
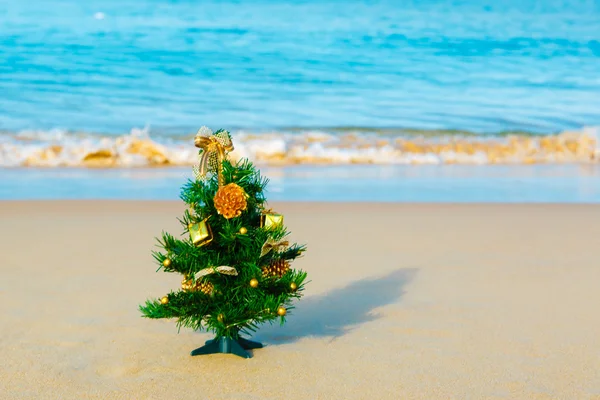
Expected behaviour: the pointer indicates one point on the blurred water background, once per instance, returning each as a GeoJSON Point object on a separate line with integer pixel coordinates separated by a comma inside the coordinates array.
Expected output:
{"type": "Point", "coordinates": [508, 90]}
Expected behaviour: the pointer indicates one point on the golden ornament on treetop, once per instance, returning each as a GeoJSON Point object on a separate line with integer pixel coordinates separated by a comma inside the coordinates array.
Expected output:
{"type": "Point", "coordinates": [293, 286]}
{"type": "Point", "coordinates": [164, 300]}
{"type": "Point", "coordinates": [281, 311]}
{"type": "Point", "coordinates": [166, 263]}
{"type": "Point", "coordinates": [230, 200]}
{"type": "Point", "coordinates": [254, 282]}
{"type": "Point", "coordinates": [213, 151]}
{"type": "Point", "coordinates": [243, 230]}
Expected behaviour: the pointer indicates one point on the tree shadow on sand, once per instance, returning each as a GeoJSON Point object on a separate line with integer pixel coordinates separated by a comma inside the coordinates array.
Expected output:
{"type": "Point", "coordinates": [335, 313]}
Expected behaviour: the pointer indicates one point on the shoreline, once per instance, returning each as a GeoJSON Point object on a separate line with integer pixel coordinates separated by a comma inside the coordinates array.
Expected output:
{"type": "Point", "coordinates": [138, 148]}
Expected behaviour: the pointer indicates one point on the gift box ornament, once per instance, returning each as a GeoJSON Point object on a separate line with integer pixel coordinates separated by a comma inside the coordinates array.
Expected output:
{"type": "Point", "coordinates": [271, 220]}
{"type": "Point", "coordinates": [200, 232]}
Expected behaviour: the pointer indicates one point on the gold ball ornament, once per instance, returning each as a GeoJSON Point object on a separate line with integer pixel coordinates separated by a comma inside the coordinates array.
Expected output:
{"type": "Point", "coordinates": [281, 311]}
{"type": "Point", "coordinates": [220, 318]}
{"type": "Point", "coordinates": [293, 286]}
{"type": "Point", "coordinates": [230, 200]}
{"type": "Point", "coordinates": [167, 263]}
{"type": "Point", "coordinates": [164, 300]}
{"type": "Point", "coordinates": [243, 230]}
{"type": "Point", "coordinates": [254, 282]}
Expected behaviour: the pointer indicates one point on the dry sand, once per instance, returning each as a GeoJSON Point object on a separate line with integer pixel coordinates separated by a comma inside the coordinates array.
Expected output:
{"type": "Point", "coordinates": [406, 301]}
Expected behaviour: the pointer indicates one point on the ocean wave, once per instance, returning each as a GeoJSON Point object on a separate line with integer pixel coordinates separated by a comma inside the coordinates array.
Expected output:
{"type": "Point", "coordinates": [57, 148]}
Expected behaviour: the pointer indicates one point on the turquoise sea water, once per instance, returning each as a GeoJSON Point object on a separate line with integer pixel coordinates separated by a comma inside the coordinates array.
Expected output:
{"type": "Point", "coordinates": [107, 66]}
{"type": "Point", "coordinates": [104, 67]}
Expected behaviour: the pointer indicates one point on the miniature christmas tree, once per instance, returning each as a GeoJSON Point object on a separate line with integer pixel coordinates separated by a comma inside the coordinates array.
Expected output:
{"type": "Point", "coordinates": [234, 258]}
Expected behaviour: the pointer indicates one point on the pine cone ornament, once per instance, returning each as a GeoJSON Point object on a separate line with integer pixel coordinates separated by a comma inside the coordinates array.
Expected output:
{"type": "Point", "coordinates": [205, 287]}
{"type": "Point", "coordinates": [187, 285]}
{"type": "Point", "coordinates": [277, 268]}
{"type": "Point", "coordinates": [230, 200]}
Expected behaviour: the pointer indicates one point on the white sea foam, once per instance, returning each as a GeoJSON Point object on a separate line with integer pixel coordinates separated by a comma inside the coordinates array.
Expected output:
{"type": "Point", "coordinates": [57, 148]}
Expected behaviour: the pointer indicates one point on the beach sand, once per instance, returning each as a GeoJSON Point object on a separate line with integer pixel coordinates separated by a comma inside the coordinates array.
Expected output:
{"type": "Point", "coordinates": [421, 301]}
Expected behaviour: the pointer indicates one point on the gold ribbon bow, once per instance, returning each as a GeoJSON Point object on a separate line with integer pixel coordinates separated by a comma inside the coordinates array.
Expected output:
{"type": "Point", "coordinates": [214, 148]}
{"type": "Point", "coordinates": [271, 244]}
{"type": "Point", "coordinates": [223, 269]}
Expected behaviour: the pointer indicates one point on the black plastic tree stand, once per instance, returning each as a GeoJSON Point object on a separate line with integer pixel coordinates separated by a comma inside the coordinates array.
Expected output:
{"type": "Point", "coordinates": [228, 346]}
